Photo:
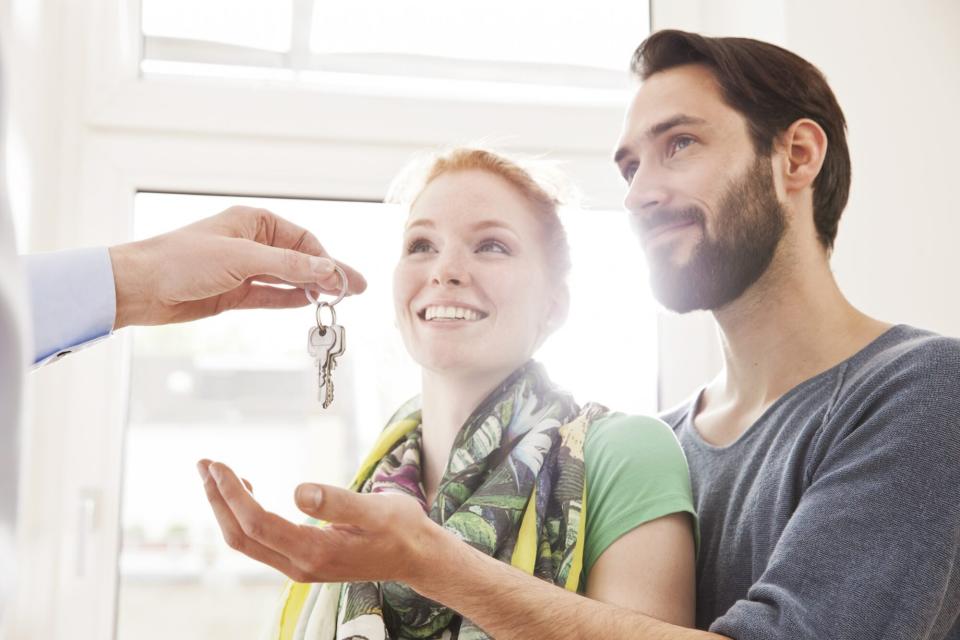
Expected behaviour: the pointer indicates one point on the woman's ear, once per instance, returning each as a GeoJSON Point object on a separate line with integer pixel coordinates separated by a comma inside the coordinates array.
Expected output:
{"type": "Point", "coordinates": [558, 311]}
{"type": "Point", "coordinates": [804, 144]}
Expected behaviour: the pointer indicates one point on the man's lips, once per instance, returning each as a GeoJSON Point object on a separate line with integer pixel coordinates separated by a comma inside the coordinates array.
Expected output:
{"type": "Point", "coordinates": [666, 228]}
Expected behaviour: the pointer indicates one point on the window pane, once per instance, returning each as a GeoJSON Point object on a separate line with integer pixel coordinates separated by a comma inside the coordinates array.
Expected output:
{"type": "Point", "coordinates": [262, 24]}
{"type": "Point", "coordinates": [600, 34]}
{"type": "Point", "coordinates": [239, 388]}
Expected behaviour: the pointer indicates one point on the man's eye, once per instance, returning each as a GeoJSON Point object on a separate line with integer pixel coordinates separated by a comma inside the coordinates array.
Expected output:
{"type": "Point", "coordinates": [419, 245]}
{"type": "Point", "coordinates": [494, 246]}
{"type": "Point", "coordinates": [629, 172]}
{"type": "Point", "coordinates": [679, 143]}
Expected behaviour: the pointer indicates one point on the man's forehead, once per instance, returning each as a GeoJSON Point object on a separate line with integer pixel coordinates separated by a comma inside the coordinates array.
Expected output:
{"type": "Point", "coordinates": [690, 90]}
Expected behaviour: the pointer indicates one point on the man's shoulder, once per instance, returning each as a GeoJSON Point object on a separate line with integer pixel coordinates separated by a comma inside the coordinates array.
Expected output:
{"type": "Point", "coordinates": [902, 393]}
{"type": "Point", "coordinates": [906, 358]}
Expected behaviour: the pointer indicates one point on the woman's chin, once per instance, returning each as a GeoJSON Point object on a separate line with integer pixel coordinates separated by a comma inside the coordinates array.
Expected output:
{"type": "Point", "coordinates": [462, 366]}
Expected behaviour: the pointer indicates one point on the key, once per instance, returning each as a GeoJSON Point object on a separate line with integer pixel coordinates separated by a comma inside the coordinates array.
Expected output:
{"type": "Point", "coordinates": [327, 342]}
{"type": "Point", "coordinates": [337, 350]}
{"type": "Point", "coordinates": [320, 342]}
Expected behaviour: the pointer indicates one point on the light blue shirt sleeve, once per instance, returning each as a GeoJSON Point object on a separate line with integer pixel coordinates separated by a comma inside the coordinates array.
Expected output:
{"type": "Point", "coordinates": [72, 299]}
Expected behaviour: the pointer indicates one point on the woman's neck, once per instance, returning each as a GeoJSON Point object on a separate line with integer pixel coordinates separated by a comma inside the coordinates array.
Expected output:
{"type": "Point", "coordinates": [447, 401]}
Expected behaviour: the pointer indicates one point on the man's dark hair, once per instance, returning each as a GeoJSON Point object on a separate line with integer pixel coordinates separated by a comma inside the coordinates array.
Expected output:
{"type": "Point", "coordinates": [772, 88]}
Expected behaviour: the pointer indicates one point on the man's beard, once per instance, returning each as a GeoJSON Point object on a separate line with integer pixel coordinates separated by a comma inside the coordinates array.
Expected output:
{"type": "Point", "coordinates": [749, 225]}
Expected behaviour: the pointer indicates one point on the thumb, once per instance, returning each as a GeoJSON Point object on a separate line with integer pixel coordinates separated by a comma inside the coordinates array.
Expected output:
{"type": "Point", "coordinates": [332, 504]}
{"type": "Point", "coordinates": [251, 259]}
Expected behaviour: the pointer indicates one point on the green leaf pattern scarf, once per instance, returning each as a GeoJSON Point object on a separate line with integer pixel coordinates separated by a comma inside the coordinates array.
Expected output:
{"type": "Point", "coordinates": [524, 440]}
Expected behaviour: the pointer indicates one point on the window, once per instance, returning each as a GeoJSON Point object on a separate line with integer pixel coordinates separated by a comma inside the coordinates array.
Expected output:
{"type": "Point", "coordinates": [336, 124]}
{"type": "Point", "coordinates": [239, 388]}
{"type": "Point", "coordinates": [567, 46]}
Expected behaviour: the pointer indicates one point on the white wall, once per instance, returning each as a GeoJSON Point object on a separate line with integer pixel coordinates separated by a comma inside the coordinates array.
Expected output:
{"type": "Point", "coordinates": [895, 68]}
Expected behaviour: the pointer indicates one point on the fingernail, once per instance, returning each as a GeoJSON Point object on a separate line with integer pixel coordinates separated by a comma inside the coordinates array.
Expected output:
{"type": "Point", "coordinates": [215, 472]}
{"type": "Point", "coordinates": [202, 470]}
{"type": "Point", "coordinates": [308, 495]}
{"type": "Point", "coordinates": [321, 265]}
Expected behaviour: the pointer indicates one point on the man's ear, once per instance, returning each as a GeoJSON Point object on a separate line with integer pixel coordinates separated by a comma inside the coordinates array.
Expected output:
{"type": "Point", "coordinates": [804, 145]}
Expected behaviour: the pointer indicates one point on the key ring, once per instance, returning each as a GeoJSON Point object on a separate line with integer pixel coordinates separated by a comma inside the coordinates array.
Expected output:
{"type": "Point", "coordinates": [343, 291]}
{"type": "Point", "coordinates": [333, 317]}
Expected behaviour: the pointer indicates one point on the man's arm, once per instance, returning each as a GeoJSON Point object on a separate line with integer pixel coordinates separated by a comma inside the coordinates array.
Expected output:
{"type": "Point", "coordinates": [228, 261]}
{"type": "Point", "coordinates": [72, 300]}
{"type": "Point", "coordinates": [388, 537]}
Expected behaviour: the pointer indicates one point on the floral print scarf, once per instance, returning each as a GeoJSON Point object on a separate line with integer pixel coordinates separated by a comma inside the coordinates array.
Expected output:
{"type": "Point", "coordinates": [514, 488]}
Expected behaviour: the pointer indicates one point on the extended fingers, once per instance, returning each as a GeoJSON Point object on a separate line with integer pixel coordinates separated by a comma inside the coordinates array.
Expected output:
{"type": "Point", "coordinates": [256, 523]}
{"type": "Point", "coordinates": [233, 533]}
{"type": "Point", "coordinates": [303, 552]}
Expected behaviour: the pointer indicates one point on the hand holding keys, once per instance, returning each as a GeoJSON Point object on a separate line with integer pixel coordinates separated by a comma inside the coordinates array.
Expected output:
{"type": "Point", "coordinates": [327, 342]}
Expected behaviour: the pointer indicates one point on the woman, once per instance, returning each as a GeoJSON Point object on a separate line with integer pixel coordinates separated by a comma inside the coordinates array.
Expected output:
{"type": "Point", "coordinates": [491, 449]}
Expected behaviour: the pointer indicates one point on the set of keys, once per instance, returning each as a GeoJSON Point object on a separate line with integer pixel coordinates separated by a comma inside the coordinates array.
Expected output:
{"type": "Point", "coordinates": [327, 342]}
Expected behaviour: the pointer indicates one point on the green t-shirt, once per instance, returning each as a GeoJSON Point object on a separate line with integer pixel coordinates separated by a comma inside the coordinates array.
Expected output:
{"type": "Point", "coordinates": [636, 472]}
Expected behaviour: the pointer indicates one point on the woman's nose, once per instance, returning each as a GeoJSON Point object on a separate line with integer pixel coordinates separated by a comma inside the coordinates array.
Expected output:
{"type": "Point", "coordinates": [451, 271]}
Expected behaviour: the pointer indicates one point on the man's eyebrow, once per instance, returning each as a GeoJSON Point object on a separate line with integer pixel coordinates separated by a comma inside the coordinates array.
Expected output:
{"type": "Point", "coordinates": [660, 128]}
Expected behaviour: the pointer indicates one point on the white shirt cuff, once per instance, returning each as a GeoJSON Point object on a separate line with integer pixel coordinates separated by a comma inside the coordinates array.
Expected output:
{"type": "Point", "coordinates": [72, 298]}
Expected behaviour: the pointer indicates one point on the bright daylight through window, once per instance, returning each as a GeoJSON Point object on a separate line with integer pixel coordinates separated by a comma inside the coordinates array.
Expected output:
{"type": "Point", "coordinates": [491, 43]}
{"type": "Point", "coordinates": [240, 388]}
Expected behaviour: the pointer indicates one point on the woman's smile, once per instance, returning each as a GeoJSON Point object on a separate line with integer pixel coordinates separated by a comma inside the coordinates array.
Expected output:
{"type": "Point", "coordinates": [446, 313]}
{"type": "Point", "coordinates": [473, 269]}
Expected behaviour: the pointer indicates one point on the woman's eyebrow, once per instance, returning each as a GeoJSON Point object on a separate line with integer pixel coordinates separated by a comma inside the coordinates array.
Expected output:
{"type": "Point", "coordinates": [420, 222]}
{"type": "Point", "coordinates": [487, 224]}
{"type": "Point", "coordinates": [476, 226]}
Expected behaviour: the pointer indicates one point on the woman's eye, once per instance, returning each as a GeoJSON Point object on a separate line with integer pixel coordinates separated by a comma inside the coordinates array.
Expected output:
{"type": "Point", "coordinates": [494, 246]}
{"type": "Point", "coordinates": [679, 144]}
{"type": "Point", "coordinates": [629, 172]}
{"type": "Point", "coordinates": [419, 245]}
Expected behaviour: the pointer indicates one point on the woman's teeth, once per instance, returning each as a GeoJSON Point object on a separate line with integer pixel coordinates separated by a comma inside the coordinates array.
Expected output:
{"type": "Point", "coordinates": [451, 313]}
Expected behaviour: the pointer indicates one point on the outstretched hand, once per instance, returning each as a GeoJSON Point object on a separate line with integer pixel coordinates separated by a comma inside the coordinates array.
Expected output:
{"type": "Point", "coordinates": [228, 261]}
{"type": "Point", "coordinates": [369, 536]}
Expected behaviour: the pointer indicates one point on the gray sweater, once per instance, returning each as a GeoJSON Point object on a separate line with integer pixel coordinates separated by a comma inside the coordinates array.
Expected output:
{"type": "Point", "coordinates": [837, 514]}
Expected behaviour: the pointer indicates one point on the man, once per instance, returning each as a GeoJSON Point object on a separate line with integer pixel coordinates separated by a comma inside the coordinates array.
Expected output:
{"type": "Point", "coordinates": [824, 457]}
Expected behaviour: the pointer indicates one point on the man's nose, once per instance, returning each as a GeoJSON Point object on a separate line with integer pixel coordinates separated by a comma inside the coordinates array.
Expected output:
{"type": "Point", "coordinates": [647, 191]}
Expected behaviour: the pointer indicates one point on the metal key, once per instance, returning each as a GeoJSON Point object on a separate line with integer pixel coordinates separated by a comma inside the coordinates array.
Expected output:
{"type": "Point", "coordinates": [318, 346]}
{"type": "Point", "coordinates": [330, 362]}
{"type": "Point", "coordinates": [321, 342]}
{"type": "Point", "coordinates": [326, 342]}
